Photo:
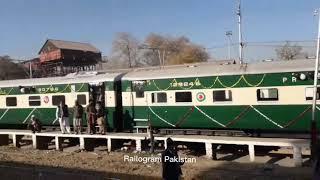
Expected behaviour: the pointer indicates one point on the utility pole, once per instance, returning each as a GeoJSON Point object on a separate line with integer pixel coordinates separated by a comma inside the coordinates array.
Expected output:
{"type": "Point", "coordinates": [229, 34]}
{"type": "Point", "coordinates": [314, 104]}
{"type": "Point", "coordinates": [240, 33]}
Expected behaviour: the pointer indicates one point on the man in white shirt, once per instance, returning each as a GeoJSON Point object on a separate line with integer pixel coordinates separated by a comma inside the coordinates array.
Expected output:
{"type": "Point", "coordinates": [62, 114]}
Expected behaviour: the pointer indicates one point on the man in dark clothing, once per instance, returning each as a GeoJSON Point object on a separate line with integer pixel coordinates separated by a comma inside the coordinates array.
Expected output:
{"type": "Point", "coordinates": [91, 113]}
{"type": "Point", "coordinates": [171, 170]}
{"type": "Point", "coordinates": [100, 118]}
{"type": "Point", "coordinates": [34, 124]}
{"type": "Point", "coordinates": [77, 117]}
{"type": "Point", "coordinates": [316, 164]}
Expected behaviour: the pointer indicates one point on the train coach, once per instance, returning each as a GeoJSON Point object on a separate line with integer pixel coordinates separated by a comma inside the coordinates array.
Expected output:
{"type": "Point", "coordinates": [19, 99]}
{"type": "Point", "coordinates": [267, 96]}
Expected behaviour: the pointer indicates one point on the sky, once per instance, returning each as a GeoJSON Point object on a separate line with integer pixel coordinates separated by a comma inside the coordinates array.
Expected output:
{"type": "Point", "coordinates": [26, 24]}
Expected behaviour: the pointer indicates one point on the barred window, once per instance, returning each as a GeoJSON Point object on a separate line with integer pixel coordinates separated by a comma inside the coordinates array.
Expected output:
{"type": "Point", "coordinates": [34, 100]}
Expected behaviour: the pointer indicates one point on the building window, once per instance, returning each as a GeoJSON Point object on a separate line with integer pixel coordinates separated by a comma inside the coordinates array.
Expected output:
{"type": "Point", "coordinates": [11, 101]}
{"type": "Point", "coordinates": [183, 97]}
{"type": "Point", "coordinates": [222, 95]}
{"type": "Point", "coordinates": [34, 101]}
{"type": "Point", "coordinates": [309, 93]}
{"type": "Point", "coordinates": [82, 99]}
{"type": "Point", "coordinates": [57, 99]}
{"type": "Point", "coordinates": [270, 94]}
{"type": "Point", "coordinates": [138, 87]}
{"type": "Point", "coordinates": [159, 97]}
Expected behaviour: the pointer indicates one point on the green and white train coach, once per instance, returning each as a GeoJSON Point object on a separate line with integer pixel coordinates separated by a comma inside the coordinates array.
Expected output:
{"type": "Point", "coordinates": [19, 99]}
{"type": "Point", "coordinates": [266, 96]}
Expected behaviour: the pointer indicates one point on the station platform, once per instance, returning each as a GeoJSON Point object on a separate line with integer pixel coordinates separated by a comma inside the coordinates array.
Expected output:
{"type": "Point", "coordinates": [41, 140]}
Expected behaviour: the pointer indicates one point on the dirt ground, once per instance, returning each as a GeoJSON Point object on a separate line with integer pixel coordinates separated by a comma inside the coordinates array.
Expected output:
{"type": "Point", "coordinates": [73, 164]}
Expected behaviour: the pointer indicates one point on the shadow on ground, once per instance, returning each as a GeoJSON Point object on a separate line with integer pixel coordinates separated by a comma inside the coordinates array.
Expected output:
{"type": "Point", "coordinates": [22, 171]}
{"type": "Point", "coordinates": [246, 171]}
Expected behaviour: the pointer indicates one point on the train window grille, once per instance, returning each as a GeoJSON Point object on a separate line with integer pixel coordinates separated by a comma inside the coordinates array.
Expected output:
{"type": "Point", "coordinates": [11, 101]}
{"type": "Point", "coordinates": [159, 97]}
{"type": "Point", "coordinates": [138, 87]}
{"type": "Point", "coordinates": [309, 93]}
{"type": "Point", "coordinates": [270, 94]}
{"type": "Point", "coordinates": [57, 99]}
{"type": "Point", "coordinates": [82, 99]}
{"type": "Point", "coordinates": [183, 96]}
{"type": "Point", "coordinates": [34, 101]}
{"type": "Point", "coordinates": [222, 95]}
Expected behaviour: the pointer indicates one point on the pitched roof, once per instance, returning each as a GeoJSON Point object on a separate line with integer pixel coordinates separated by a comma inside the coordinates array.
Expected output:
{"type": "Point", "coordinates": [71, 45]}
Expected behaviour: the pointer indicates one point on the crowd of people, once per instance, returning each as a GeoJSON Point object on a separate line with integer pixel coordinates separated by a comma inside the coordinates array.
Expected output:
{"type": "Point", "coordinates": [94, 112]}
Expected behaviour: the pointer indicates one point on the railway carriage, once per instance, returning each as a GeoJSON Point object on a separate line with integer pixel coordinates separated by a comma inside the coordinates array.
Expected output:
{"type": "Point", "coordinates": [268, 96]}
{"type": "Point", "coordinates": [19, 99]}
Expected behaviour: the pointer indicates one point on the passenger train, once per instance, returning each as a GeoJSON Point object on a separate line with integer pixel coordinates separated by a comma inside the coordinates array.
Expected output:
{"type": "Point", "coordinates": [268, 96]}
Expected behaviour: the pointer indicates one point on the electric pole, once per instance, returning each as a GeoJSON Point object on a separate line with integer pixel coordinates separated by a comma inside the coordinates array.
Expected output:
{"type": "Point", "coordinates": [314, 138]}
{"type": "Point", "coordinates": [240, 33]}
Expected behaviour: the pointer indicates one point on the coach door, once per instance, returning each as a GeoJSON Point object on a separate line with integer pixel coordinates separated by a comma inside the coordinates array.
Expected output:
{"type": "Point", "coordinates": [140, 105]}
{"type": "Point", "coordinates": [97, 92]}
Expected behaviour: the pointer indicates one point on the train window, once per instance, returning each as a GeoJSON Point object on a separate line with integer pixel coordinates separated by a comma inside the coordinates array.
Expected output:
{"type": "Point", "coordinates": [309, 93]}
{"type": "Point", "coordinates": [57, 99]}
{"type": "Point", "coordinates": [270, 94]}
{"type": "Point", "coordinates": [159, 97]}
{"type": "Point", "coordinates": [183, 97]}
{"type": "Point", "coordinates": [11, 101]}
{"type": "Point", "coordinates": [222, 95]}
{"type": "Point", "coordinates": [138, 87]}
{"type": "Point", "coordinates": [82, 99]}
{"type": "Point", "coordinates": [34, 101]}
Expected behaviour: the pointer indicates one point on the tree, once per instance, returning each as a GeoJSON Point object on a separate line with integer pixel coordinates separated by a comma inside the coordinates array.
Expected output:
{"type": "Point", "coordinates": [10, 70]}
{"type": "Point", "coordinates": [156, 48]}
{"type": "Point", "coordinates": [125, 47]}
{"type": "Point", "coordinates": [288, 51]}
{"type": "Point", "coordinates": [174, 50]}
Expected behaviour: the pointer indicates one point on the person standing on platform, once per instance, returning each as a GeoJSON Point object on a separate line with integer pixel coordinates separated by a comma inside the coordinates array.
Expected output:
{"type": "Point", "coordinates": [100, 118]}
{"type": "Point", "coordinates": [62, 113]}
{"type": "Point", "coordinates": [91, 113]}
{"type": "Point", "coordinates": [77, 117]}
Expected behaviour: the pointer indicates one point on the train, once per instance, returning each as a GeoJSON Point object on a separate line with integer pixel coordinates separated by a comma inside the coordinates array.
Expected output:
{"type": "Point", "coordinates": [266, 96]}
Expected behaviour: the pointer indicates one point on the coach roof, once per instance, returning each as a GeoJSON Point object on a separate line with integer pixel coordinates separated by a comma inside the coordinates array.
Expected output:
{"type": "Point", "coordinates": [216, 69]}
{"type": "Point", "coordinates": [69, 79]}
